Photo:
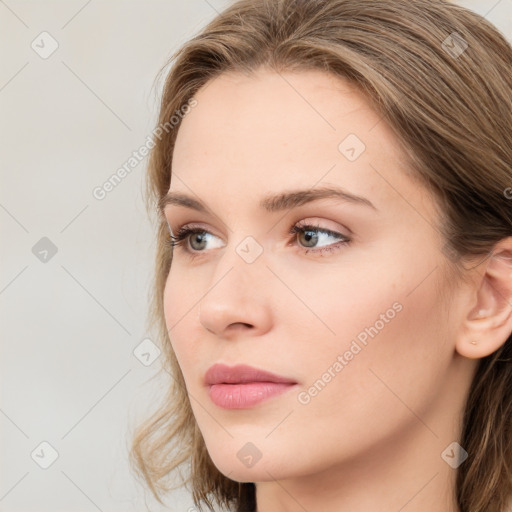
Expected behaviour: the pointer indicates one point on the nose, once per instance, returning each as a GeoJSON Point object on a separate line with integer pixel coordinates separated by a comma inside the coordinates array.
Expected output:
{"type": "Point", "coordinates": [237, 302]}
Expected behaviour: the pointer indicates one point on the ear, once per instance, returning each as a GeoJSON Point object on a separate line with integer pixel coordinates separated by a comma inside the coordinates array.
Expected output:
{"type": "Point", "coordinates": [488, 323]}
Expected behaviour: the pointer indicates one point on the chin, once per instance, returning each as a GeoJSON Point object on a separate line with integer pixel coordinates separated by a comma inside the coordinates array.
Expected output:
{"type": "Point", "coordinates": [246, 465]}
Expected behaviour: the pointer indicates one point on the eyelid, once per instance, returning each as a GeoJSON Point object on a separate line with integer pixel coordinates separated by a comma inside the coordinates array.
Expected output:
{"type": "Point", "coordinates": [190, 226]}
{"type": "Point", "coordinates": [320, 225]}
{"type": "Point", "coordinates": [187, 229]}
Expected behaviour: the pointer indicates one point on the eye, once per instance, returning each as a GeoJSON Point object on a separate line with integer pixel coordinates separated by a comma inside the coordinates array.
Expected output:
{"type": "Point", "coordinates": [315, 239]}
{"type": "Point", "coordinates": [197, 239]}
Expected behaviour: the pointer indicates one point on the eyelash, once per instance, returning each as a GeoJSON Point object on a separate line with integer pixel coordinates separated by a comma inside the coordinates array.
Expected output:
{"type": "Point", "coordinates": [180, 238]}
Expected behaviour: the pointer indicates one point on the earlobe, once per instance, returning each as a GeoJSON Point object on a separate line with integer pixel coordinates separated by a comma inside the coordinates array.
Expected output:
{"type": "Point", "coordinates": [488, 323]}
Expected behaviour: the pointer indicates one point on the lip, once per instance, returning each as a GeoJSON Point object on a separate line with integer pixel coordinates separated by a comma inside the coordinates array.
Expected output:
{"type": "Point", "coordinates": [242, 386]}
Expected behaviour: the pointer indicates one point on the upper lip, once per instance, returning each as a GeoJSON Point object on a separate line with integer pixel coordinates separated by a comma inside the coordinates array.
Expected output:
{"type": "Point", "coordinates": [223, 374]}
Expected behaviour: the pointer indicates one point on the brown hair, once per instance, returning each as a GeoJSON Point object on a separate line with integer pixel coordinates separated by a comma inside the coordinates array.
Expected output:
{"type": "Point", "coordinates": [441, 75]}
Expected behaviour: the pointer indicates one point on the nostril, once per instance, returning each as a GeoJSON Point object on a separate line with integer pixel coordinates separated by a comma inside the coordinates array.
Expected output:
{"type": "Point", "coordinates": [240, 324]}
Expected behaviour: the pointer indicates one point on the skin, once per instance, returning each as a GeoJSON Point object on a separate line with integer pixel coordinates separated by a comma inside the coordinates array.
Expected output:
{"type": "Point", "coordinates": [372, 438]}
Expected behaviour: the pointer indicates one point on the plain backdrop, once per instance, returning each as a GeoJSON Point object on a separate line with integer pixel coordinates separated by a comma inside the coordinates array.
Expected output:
{"type": "Point", "coordinates": [75, 270]}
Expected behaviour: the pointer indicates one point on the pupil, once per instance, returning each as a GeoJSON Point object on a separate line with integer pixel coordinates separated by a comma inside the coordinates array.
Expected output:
{"type": "Point", "coordinates": [200, 238]}
{"type": "Point", "coordinates": [310, 236]}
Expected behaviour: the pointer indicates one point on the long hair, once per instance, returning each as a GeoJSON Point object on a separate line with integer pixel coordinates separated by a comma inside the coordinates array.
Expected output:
{"type": "Point", "coordinates": [441, 76]}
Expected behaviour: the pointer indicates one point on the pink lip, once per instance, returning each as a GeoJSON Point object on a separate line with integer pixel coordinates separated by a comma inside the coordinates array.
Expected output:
{"type": "Point", "coordinates": [241, 386]}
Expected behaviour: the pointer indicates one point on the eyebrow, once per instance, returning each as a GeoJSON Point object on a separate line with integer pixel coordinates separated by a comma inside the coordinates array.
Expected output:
{"type": "Point", "coordinates": [273, 203]}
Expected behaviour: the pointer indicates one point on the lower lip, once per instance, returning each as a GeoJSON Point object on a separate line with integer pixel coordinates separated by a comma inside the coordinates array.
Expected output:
{"type": "Point", "coordinates": [243, 396]}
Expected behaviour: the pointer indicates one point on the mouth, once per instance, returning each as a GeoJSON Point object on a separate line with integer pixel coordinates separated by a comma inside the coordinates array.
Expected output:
{"type": "Point", "coordinates": [242, 386]}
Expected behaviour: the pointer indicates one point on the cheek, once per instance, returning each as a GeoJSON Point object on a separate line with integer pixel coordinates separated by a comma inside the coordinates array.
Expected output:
{"type": "Point", "coordinates": [387, 293]}
{"type": "Point", "coordinates": [388, 350]}
{"type": "Point", "coordinates": [179, 300]}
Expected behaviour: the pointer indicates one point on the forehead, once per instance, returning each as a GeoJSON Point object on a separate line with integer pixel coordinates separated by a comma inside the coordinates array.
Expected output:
{"type": "Point", "coordinates": [262, 131]}
{"type": "Point", "coordinates": [285, 109]}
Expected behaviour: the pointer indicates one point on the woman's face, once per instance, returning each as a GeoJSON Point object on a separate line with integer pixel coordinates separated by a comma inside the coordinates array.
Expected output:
{"type": "Point", "coordinates": [349, 309]}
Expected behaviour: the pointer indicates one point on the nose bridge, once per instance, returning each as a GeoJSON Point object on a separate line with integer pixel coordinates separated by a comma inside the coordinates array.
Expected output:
{"type": "Point", "coordinates": [244, 255]}
{"type": "Point", "coordinates": [237, 292]}
{"type": "Point", "coordinates": [240, 268]}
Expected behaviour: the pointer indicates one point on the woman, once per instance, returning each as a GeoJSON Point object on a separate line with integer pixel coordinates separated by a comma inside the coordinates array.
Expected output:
{"type": "Point", "coordinates": [336, 204]}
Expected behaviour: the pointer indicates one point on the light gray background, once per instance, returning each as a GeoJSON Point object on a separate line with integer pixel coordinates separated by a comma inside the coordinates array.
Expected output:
{"type": "Point", "coordinates": [69, 325]}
